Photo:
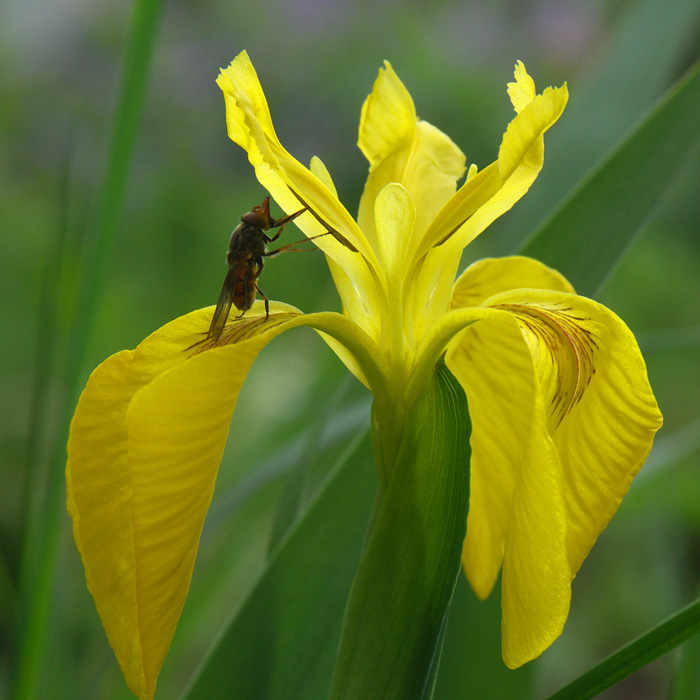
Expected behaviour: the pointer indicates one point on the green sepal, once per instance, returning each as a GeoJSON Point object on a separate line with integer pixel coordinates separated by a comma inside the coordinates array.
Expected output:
{"type": "Point", "coordinates": [397, 609]}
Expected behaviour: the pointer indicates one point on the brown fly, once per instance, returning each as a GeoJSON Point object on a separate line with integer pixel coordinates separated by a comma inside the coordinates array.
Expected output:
{"type": "Point", "coordinates": [246, 250]}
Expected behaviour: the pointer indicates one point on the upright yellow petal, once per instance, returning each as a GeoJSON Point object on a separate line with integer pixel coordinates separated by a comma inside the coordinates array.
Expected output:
{"type": "Point", "coordinates": [292, 185]}
{"type": "Point", "coordinates": [388, 118]}
{"type": "Point", "coordinates": [402, 149]}
{"type": "Point", "coordinates": [484, 197]}
{"type": "Point", "coordinates": [521, 154]}
{"type": "Point", "coordinates": [494, 190]}
{"type": "Point", "coordinates": [144, 449]}
{"type": "Point", "coordinates": [522, 91]}
{"type": "Point", "coordinates": [395, 216]}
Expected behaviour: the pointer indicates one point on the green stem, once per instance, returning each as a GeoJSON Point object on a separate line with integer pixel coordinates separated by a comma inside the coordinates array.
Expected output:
{"type": "Point", "coordinates": [386, 388]}
{"type": "Point", "coordinates": [395, 617]}
{"type": "Point", "coordinates": [435, 343]}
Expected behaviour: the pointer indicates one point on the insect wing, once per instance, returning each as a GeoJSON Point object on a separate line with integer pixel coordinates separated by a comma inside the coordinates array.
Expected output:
{"type": "Point", "coordinates": [223, 306]}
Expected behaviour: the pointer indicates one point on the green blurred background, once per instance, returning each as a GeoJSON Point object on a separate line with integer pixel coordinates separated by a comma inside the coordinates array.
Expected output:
{"type": "Point", "coordinates": [317, 59]}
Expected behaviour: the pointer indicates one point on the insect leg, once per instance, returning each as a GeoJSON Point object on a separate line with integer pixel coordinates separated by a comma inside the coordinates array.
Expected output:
{"type": "Point", "coordinates": [267, 301]}
{"type": "Point", "coordinates": [275, 223]}
{"type": "Point", "coordinates": [289, 247]}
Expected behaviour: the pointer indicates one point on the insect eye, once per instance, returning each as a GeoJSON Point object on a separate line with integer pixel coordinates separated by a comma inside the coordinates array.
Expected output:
{"type": "Point", "coordinates": [255, 218]}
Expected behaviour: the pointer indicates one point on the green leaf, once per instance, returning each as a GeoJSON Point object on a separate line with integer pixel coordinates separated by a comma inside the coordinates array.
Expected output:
{"type": "Point", "coordinates": [300, 481]}
{"type": "Point", "coordinates": [281, 642]}
{"type": "Point", "coordinates": [471, 667]}
{"type": "Point", "coordinates": [622, 86]}
{"type": "Point", "coordinates": [398, 605]}
{"type": "Point", "coordinates": [657, 641]}
{"type": "Point", "coordinates": [588, 235]}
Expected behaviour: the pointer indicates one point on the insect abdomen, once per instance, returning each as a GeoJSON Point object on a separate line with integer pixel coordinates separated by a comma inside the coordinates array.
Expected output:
{"type": "Point", "coordinates": [244, 292]}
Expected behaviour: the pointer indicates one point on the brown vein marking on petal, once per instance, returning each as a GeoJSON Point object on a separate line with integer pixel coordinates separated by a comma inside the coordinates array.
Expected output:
{"type": "Point", "coordinates": [572, 349]}
{"type": "Point", "coordinates": [243, 329]}
{"type": "Point", "coordinates": [447, 237]}
{"type": "Point", "coordinates": [336, 234]}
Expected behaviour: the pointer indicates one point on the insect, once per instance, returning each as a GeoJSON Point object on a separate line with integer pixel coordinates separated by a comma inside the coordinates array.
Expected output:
{"type": "Point", "coordinates": [246, 250]}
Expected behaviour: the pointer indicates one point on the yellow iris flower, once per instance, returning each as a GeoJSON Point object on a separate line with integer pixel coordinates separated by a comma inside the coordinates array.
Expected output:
{"type": "Point", "coordinates": [562, 412]}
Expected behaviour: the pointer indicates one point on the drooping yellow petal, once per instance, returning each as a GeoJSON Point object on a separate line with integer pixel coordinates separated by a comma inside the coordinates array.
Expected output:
{"type": "Point", "coordinates": [493, 366]}
{"type": "Point", "coordinates": [143, 452]}
{"type": "Point", "coordinates": [402, 149]}
{"type": "Point", "coordinates": [493, 363]}
{"type": "Point", "coordinates": [490, 276]}
{"type": "Point", "coordinates": [605, 437]}
{"type": "Point", "coordinates": [602, 417]}
{"type": "Point", "coordinates": [292, 185]}
{"type": "Point", "coordinates": [144, 449]}
{"type": "Point", "coordinates": [536, 582]}
{"type": "Point", "coordinates": [517, 516]}
{"type": "Point", "coordinates": [563, 418]}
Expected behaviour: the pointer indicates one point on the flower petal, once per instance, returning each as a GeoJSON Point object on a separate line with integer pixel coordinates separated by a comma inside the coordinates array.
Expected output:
{"type": "Point", "coordinates": [490, 276]}
{"type": "Point", "coordinates": [143, 452]}
{"type": "Point", "coordinates": [394, 215]}
{"type": "Point", "coordinates": [563, 419]}
{"type": "Point", "coordinates": [522, 91]}
{"type": "Point", "coordinates": [494, 190]}
{"type": "Point", "coordinates": [144, 449]}
{"type": "Point", "coordinates": [605, 434]}
{"type": "Point", "coordinates": [482, 199]}
{"type": "Point", "coordinates": [292, 185]}
{"type": "Point", "coordinates": [388, 118]}
{"type": "Point", "coordinates": [493, 365]}
{"type": "Point", "coordinates": [402, 149]}
{"type": "Point", "coordinates": [496, 371]}
{"type": "Point", "coordinates": [250, 126]}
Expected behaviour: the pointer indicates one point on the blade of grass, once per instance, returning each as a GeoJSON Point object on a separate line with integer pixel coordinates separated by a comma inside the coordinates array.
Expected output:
{"type": "Point", "coordinates": [590, 232]}
{"type": "Point", "coordinates": [41, 545]}
{"type": "Point", "coordinates": [657, 641]}
{"type": "Point", "coordinates": [686, 684]}
{"type": "Point", "coordinates": [44, 363]}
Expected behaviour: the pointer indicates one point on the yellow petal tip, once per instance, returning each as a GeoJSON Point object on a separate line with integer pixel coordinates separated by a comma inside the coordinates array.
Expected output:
{"type": "Point", "coordinates": [522, 91]}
